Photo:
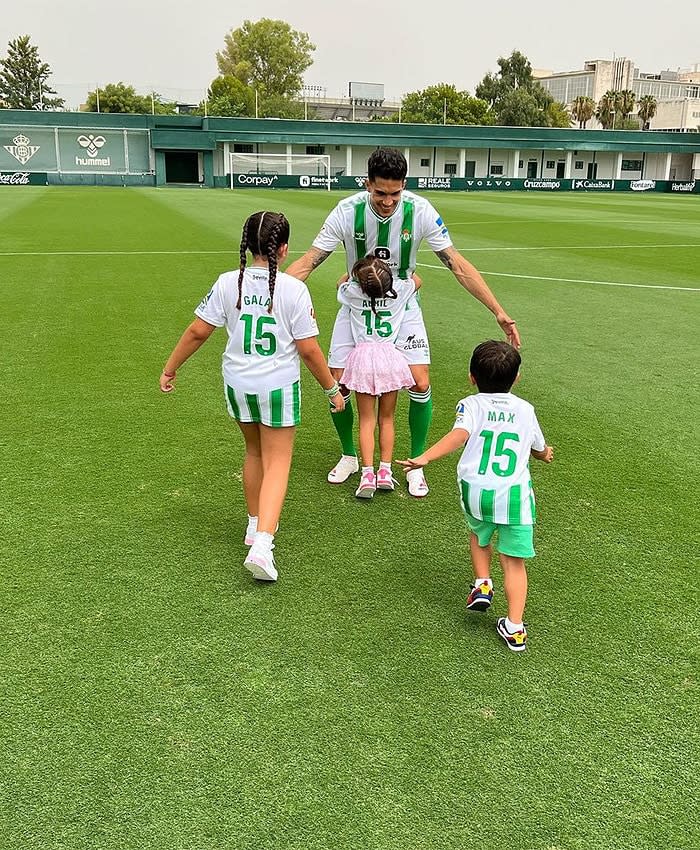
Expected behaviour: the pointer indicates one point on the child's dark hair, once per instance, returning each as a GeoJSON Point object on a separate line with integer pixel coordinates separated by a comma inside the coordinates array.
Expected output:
{"type": "Point", "coordinates": [388, 163]}
{"type": "Point", "coordinates": [263, 233]}
{"type": "Point", "coordinates": [495, 366]}
{"type": "Point", "coordinates": [375, 279]}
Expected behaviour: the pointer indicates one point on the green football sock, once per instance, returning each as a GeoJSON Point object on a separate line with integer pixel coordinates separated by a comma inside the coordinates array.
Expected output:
{"type": "Point", "coordinates": [420, 414]}
{"type": "Point", "coordinates": [343, 423]}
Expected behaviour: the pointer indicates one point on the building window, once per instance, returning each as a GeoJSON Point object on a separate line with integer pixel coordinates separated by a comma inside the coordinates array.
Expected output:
{"type": "Point", "coordinates": [496, 170]}
{"type": "Point", "coordinates": [315, 150]}
{"type": "Point", "coordinates": [451, 168]}
{"type": "Point", "coordinates": [425, 163]}
{"type": "Point", "coordinates": [243, 149]}
{"type": "Point", "coordinates": [631, 164]}
{"type": "Point", "coordinates": [550, 163]}
{"type": "Point", "coordinates": [578, 164]}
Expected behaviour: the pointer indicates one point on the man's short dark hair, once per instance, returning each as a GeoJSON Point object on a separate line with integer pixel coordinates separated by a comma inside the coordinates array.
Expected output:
{"type": "Point", "coordinates": [387, 163]}
{"type": "Point", "coordinates": [494, 365]}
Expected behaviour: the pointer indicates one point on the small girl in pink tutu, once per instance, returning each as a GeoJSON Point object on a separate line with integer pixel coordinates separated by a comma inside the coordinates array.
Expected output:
{"type": "Point", "coordinates": [375, 369]}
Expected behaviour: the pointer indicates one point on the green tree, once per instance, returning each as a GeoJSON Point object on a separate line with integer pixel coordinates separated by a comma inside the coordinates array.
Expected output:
{"type": "Point", "coordinates": [521, 108]}
{"type": "Point", "coordinates": [583, 109]}
{"type": "Point", "coordinates": [646, 110]}
{"type": "Point", "coordinates": [605, 111]}
{"type": "Point", "coordinates": [516, 98]}
{"type": "Point", "coordinates": [624, 103]}
{"type": "Point", "coordinates": [557, 115]}
{"type": "Point", "coordinates": [24, 78]}
{"type": "Point", "coordinates": [267, 55]}
{"type": "Point", "coordinates": [120, 97]}
{"type": "Point", "coordinates": [227, 95]}
{"type": "Point", "coordinates": [443, 103]}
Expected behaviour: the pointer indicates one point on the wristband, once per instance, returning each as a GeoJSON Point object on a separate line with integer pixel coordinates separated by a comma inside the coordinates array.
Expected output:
{"type": "Point", "coordinates": [334, 390]}
{"type": "Point", "coordinates": [169, 374]}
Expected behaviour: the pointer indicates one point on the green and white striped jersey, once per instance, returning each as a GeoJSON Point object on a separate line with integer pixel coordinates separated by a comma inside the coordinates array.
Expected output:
{"type": "Point", "coordinates": [493, 471]}
{"type": "Point", "coordinates": [354, 224]}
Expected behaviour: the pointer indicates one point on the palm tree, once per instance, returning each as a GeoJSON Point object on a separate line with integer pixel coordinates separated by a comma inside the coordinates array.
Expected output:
{"type": "Point", "coordinates": [605, 111]}
{"type": "Point", "coordinates": [625, 103]}
{"type": "Point", "coordinates": [646, 110]}
{"type": "Point", "coordinates": [583, 109]}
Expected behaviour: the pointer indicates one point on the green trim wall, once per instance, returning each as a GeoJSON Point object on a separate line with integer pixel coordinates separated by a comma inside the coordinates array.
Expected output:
{"type": "Point", "coordinates": [164, 133]}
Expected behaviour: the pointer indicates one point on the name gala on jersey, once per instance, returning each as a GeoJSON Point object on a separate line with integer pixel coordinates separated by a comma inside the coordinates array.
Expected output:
{"type": "Point", "coordinates": [260, 300]}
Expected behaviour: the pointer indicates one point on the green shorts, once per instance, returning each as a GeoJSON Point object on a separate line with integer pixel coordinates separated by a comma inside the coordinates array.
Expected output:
{"type": "Point", "coordinates": [513, 540]}
{"type": "Point", "coordinates": [280, 408]}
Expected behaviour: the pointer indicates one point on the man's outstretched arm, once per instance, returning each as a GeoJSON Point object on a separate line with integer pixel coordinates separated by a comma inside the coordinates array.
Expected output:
{"type": "Point", "coordinates": [302, 268]}
{"type": "Point", "coordinates": [473, 282]}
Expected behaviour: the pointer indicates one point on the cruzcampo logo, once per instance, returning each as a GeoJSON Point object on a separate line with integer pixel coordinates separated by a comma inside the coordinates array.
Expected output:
{"type": "Point", "coordinates": [22, 150]}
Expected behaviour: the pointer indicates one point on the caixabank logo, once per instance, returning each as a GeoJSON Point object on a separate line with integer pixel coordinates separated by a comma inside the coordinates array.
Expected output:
{"type": "Point", "coordinates": [595, 185]}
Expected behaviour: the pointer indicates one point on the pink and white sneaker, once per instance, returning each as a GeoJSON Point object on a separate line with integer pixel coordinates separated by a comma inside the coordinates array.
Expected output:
{"type": "Point", "coordinates": [368, 485]}
{"type": "Point", "coordinates": [385, 480]}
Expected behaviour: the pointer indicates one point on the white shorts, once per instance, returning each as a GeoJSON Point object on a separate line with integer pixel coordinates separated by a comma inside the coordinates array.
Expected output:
{"type": "Point", "coordinates": [412, 340]}
{"type": "Point", "coordinates": [280, 408]}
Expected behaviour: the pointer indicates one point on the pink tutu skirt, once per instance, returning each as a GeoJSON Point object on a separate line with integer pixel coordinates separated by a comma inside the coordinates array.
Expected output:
{"type": "Point", "coordinates": [375, 368]}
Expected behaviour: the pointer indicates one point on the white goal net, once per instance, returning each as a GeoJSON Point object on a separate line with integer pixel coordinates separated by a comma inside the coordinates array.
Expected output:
{"type": "Point", "coordinates": [282, 169]}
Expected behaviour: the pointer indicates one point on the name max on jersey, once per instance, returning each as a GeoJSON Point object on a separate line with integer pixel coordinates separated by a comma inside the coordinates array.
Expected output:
{"type": "Point", "coordinates": [500, 416]}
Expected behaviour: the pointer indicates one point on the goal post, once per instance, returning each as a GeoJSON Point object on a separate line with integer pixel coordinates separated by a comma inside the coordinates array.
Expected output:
{"type": "Point", "coordinates": [265, 170]}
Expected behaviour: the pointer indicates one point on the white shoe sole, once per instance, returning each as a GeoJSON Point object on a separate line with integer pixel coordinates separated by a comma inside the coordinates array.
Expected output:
{"type": "Point", "coordinates": [387, 485]}
{"type": "Point", "coordinates": [365, 493]}
{"type": "Point", "coordinates": [259, 570]}
{"type": "Point", "coordinates": [418, 491]}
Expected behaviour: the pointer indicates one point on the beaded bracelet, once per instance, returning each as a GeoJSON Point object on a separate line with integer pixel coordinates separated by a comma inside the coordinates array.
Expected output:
{"type": "Point", "coordinates": [334, 390]}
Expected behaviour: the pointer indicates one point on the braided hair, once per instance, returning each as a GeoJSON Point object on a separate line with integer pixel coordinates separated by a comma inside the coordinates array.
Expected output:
{"type": "Point", "coordinates": [375, 279]}
{"type": "Point", "coordinates": [263, 233]}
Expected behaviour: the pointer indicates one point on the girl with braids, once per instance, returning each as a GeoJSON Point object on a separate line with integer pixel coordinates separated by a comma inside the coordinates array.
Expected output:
{"type": "Point", "coordinates": [271, 325]}
{"type": "Point", "coordinates": [375, 369]}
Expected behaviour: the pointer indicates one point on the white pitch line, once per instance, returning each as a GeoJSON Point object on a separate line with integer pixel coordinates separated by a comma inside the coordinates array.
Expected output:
{"type": "Point", "coordinates": [575, 280]}
{"type": "Point", "coordinates": [570, 248]}
{"type": "Point", "coordinates": [100, 253]}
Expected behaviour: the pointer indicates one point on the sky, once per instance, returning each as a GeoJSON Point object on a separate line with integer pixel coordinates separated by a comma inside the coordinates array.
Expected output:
{"type": "Point", "coordinates": [170, 46]}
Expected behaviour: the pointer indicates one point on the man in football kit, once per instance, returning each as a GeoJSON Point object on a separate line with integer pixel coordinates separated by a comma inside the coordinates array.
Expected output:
{"type": "Point", "coordinates": [390, 223]}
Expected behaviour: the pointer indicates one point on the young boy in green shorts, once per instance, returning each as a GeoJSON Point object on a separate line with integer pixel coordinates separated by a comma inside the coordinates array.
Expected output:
{"type": "Point", "coordinates": [497, 432]}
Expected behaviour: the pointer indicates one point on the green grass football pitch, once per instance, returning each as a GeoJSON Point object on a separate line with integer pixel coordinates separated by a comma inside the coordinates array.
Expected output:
{"type": "Point", "coordinates": [154, 696]}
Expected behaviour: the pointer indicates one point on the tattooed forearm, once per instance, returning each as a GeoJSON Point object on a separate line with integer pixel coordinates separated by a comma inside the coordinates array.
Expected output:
{"type": "Point", "coordinates": [445, 258]}
{"type": "Point", "coordinates": [317, 257]}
